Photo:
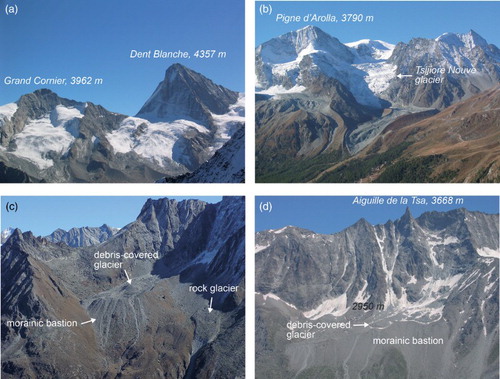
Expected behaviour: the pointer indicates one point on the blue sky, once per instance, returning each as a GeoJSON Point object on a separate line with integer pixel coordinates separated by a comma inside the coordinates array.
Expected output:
{"type": "Point", "coordinates": [333, 214]}
{"type": "Point", "coordinates": [42, 215]}
{"type": "Point", "coordinates": [75, 38]}
{"type": "Point", "coordinates": [394, 21]}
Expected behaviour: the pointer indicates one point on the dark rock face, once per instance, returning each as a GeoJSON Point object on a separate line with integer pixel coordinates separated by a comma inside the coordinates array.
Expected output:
{"type": "Point", "coordinates": [433, 273]}
{"type": "Point", "coordinates": [153, 327]}
{"type": "Point", "coordinates": [186, 93]}
{"type": "Point", "coordinates": [226, 166]}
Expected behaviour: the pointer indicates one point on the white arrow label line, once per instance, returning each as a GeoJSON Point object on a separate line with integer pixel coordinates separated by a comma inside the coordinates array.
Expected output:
{"type": "Point", "coordinates": [92, 320]}
{"type": "Point", "coordinates": [364, 325]}
{"type": "Point", "coordinates": [128, 278]}
{"type": "Point", "coordinates": [210, 309]}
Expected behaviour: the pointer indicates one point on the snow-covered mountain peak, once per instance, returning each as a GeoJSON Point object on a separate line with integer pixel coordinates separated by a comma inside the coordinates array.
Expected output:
{"type": "Point", "coordinates": [186, 94]}
{"type": "Point", "coordinates": [368, 68]}
{"type": "Point", "coordinates": [472, 39]}
{"type": "Point", "coordinates": [294, 45]}
{"type": "Point", "coordinates": [173, 71]}
{"type": "Point", "coordinates": [449, 38]}
{"type": "Point", "coordinates": [468, 40]}
{"type": "Point", "coordinates": [290, 62]}
{"type": "Point", "coordinates": [313, 36]}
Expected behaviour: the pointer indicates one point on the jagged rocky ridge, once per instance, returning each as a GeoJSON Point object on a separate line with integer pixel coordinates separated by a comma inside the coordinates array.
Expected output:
{"type": "Point", "coordinates": [188, 118]}
{"type": "Point", "coordinates": [320, 102]}
{"type": "Point", "coordinates": [154, 327]}
{"type": "Point", "coordinates": [84, 236]}
{"type": "Point", "coordinates": [369, 68]}
{"type": "Point", "coordinates": [434, 275]}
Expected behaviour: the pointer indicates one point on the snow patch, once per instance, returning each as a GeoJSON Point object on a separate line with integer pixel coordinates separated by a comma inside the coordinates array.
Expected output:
{"type": "Point", "coordinates": [436, 287]}
{"type": "Point", "coordinates": [434, 240]}
{"type": "Point", "coordinates": [336, 307]}
{"type": "Point", "coordinates": [280, 90]}
{"type": "Point", "coordinates": [261, 247]}
{"type": "Point", "coordinates": [450, 240]}
{"type": "Point", "coordinates": [279, 231]}
{"type": "Point", "coordinates": [412, 280]}
{"type": "Point", "coordinates": [6, 233]}
{"type": "Point", "coordinates": [274, 297]}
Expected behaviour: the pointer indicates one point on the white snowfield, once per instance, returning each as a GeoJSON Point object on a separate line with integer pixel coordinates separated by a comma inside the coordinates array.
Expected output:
{"type": "Point", "coordinates": [51, 135]}
{"type": "Point", "coordinates": [152, 141]}
{"type": "Point", "coordinates": [362, 66]}
{"type": "Point", "coordinates": [6, 233]}
{"type": "Point", "coordinates": [280, 90]}
{"type": "Point", "coordinates": [279, 231]}
{"type": "Point", "coordinates": [371, 57]}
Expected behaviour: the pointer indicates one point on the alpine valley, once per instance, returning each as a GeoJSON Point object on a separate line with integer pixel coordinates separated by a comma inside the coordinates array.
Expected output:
{"type": "Point", "coordinates": [368, 111]}
{"type": "Point", "coordinates": [411, 298]}
{"type": "Point", "coordinates": [149, 326]}
{"type": "Point", "coordinates": [46, 138]}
